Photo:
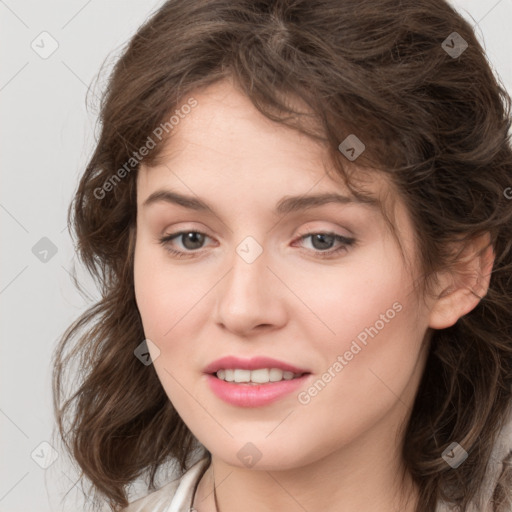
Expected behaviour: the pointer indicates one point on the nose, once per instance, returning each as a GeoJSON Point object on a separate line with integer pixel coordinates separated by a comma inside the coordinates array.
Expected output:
{"type": "Point", "coordinates": [250, 298]}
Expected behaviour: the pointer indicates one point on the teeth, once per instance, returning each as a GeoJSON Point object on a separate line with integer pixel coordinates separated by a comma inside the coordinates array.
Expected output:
{"type": "Point", "coordinates": [259, 376]}
{"type": "Point", "coordinates": [242, 375]}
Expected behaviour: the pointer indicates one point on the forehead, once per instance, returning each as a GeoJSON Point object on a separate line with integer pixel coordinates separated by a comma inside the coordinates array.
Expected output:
{"type": "Point", "coordinates": [226, 142]}
{"type": "Point", "coordinates": [225, 127]}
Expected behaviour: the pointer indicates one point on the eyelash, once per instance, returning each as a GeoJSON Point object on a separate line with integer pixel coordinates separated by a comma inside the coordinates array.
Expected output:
{"type": "Point", "coordinates": [345, 241]}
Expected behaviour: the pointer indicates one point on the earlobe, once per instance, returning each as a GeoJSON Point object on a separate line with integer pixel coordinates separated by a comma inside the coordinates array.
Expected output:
{"type": "Point", "coordinates": [461, 290]}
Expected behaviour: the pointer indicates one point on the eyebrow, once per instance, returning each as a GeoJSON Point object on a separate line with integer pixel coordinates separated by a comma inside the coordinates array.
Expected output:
{"type": "Point", "coordinates": [286, 205]}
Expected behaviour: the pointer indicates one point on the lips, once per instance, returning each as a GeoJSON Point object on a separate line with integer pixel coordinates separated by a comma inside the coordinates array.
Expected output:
{"type": "Point", "coordinates": [260, 395]}
{"type": "Point", "coordinates": [254, 363]}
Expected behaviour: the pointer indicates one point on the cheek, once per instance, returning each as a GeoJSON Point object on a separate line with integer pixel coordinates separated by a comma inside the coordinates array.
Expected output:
{"type": "Point", "coordinates": [372, 367]}
{"type": "Point", "coordinates": [371, 319]}
{"type": "Point", "coordinates": [149, 294]}
{"type": "Point", "coordinates": [364, 383]}
{"type": "Point", "coordinates": [165, 294]}
{"type": "Point", "coordinates": [350, 298]}
{"type": "Point", "coordinates": [165, 301]}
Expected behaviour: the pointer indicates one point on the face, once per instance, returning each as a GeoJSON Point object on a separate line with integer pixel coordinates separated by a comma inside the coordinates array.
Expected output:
{"type": "Point", "coordinates": [322, 291]}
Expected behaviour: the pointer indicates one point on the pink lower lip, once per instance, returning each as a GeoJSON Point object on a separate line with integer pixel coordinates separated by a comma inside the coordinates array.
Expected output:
{"type": "Point", "coordinates": [250, 395]}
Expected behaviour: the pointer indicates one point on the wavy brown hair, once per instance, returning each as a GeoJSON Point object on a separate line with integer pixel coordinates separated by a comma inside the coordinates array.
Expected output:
{"type": "Point", "coordinates": [437, 125]}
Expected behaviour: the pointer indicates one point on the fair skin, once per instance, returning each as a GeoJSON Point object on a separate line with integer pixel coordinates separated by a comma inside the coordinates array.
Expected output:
{"type": "Point", "coordinates": [340, 451]}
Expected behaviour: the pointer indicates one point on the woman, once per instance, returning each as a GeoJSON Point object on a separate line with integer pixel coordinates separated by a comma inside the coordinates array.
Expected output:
{"type": "Point", "coordinates": [297, 213]}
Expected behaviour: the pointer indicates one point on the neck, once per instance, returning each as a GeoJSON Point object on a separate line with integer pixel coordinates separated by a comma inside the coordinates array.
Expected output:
{"type": "Point", "coordinates": [351, 479]}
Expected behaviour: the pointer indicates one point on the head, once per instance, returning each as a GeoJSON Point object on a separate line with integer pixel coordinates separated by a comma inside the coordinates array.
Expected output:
{"type": "Point", "coordinates": [251, 106]}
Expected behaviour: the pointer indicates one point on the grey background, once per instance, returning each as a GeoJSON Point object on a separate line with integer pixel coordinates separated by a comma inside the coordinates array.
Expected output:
{"type": "Point", "coordinates": [46, 137]}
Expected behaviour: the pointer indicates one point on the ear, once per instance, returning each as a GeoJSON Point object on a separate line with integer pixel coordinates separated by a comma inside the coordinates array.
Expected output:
{"type": "Point", "coordinates": [460, 290]}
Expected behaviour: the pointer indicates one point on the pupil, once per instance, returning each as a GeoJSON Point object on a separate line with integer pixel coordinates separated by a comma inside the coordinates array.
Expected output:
{"type": "Point", "coordinates": [194, 238]}
{"type": "Point", "coordinates": [321, 237]}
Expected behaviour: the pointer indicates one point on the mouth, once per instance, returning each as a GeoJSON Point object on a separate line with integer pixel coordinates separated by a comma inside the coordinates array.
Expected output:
{"type": "Point", "coordinates": [254, 382]}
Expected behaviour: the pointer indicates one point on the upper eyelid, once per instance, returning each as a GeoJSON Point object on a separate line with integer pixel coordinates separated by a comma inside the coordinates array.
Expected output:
{"type": "Point", "coordinates": [306, 231]}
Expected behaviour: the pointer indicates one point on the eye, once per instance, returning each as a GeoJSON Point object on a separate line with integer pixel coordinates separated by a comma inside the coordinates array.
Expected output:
{"type": "Point", "coordinates": [192, 242]}
{"type": "Point", "coordinates": [322, 243]}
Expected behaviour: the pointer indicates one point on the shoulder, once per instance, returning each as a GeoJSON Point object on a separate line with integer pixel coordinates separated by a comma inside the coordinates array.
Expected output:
{"type": "Point", "coordinates": [176, 496]}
